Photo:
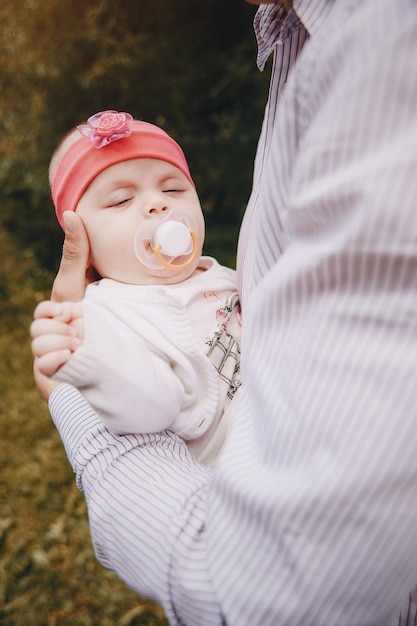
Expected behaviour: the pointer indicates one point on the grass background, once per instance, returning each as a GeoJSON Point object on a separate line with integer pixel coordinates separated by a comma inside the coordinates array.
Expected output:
{"type": "Point", "coordinates": [48, 572]}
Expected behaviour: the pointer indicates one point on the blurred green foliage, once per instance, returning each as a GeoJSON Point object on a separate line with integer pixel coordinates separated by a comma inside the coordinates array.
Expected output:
{"type": "Point", "coordinates": [187, 66]}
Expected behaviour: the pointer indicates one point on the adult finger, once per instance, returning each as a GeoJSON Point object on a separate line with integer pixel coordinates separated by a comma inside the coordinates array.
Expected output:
{"type": "Point", "coordinates": [70, 281]}
{"type": "Point", "coordinates": [44, 384]}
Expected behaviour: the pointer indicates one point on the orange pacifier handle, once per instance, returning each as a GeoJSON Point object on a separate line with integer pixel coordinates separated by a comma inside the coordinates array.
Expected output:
{"type": "Point", "coordinates": [181, 266]}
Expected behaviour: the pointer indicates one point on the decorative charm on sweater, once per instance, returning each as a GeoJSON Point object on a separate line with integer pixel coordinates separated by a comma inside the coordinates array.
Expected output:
{"type": "Point", "coordinates": [224, 349]}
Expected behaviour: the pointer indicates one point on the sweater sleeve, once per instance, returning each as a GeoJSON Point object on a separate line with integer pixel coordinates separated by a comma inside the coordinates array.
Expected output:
{"type": "Point", "coordinates": [137, 379]}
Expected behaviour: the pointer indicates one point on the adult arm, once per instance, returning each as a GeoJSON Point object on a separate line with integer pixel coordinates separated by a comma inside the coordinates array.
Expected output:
{"type": "Point", "coordinates": [146, 500]}
{"type": "Point", "coordinates": [73, 275]}
{"type": "Point", "coordinates": [145, 494]}
{"type": "Point", "coordinates": [316, 494]}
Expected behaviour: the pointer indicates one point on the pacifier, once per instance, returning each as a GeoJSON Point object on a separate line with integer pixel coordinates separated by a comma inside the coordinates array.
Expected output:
{"type": "Point", "coordinates": [158, 242]}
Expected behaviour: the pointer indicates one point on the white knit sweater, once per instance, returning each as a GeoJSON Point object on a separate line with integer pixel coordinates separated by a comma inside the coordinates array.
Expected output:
{"type": "Point", "coordinates": [143, 365]}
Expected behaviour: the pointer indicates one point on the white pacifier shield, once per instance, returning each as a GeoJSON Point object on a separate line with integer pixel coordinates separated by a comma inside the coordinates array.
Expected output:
{"type": "Point", "coordinates": [171, 235]}
{"type": "Point", "coordinates": [173, 238]}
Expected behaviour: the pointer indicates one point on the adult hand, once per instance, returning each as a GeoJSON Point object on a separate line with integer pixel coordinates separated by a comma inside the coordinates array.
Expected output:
{"type": "Point", "coordinates": [74, 271]}
{"type": "Point", "coordinates": [73, 275]}
{"type": "Point", "coordinates": [44, 384]}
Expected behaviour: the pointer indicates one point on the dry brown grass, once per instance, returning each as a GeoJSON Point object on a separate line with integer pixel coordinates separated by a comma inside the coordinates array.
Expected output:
{"type": "Point", "coordinates": [48, 572]}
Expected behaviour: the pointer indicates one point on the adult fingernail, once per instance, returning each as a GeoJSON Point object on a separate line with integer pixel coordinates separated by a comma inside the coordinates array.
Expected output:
{"type": "Point", "coordinates": [68, 222]}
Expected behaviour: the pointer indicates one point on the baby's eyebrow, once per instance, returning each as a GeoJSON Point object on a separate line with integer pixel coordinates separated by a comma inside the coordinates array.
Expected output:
{"type": "Point", "coordinates": [171, 180]}
{"type": "Point", "coordinates": [121, 182]}
{"type": "Point", "coordinates": [172, 176]}
{"type": "Point", "coordinates": [118, 184]}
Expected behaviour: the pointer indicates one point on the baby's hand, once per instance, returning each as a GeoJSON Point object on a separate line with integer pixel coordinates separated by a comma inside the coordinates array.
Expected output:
{"type": "Point", "coordinates": [57, 331]}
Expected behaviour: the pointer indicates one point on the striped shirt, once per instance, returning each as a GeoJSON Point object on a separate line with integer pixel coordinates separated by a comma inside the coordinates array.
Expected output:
{"type": "Point", "coordinates": [310, 518]}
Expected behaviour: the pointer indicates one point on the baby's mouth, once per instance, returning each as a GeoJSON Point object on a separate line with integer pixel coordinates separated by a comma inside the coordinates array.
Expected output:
{"type": "Point", "coordinates": [172, 245]}
{"type": "Point", "coordinates": [166, 251]}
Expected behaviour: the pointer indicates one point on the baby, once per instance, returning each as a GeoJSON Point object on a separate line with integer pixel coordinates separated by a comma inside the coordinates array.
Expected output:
{"type": "Point", "coordinates": [154, 344]}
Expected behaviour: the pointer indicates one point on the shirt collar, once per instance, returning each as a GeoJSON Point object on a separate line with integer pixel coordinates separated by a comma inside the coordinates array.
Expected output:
{"type": "Point", "coordinates": [273, 25]}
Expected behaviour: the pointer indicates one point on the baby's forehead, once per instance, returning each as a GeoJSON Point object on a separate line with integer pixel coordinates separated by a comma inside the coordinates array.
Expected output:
{"type": "Point", "coordinates": [139, 170]}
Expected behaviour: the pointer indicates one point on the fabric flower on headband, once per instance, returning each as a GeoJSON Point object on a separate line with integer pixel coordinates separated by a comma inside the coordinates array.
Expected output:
{"type": "Point", "coordinates": [107, 126]}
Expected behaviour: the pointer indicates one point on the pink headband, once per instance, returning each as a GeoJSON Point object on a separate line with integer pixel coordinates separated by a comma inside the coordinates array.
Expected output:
{"type": "Point", "coordinates": [110, 137]}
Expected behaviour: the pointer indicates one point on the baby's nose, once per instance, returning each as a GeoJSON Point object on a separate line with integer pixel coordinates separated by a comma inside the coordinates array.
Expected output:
{"type": "Point", "coordinates": [157, 208]}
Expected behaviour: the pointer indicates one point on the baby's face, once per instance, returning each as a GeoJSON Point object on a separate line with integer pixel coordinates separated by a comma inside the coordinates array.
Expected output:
{"type": "Point", "coordinates": [118, 202]}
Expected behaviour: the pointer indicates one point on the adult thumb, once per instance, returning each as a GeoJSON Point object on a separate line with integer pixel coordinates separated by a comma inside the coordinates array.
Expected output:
{"type": "Point", "coordinates": [70, 281]}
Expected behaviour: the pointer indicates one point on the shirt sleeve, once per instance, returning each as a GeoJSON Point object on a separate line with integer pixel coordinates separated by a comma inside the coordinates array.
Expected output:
{"type": "Point", "coordinates": [317, 488]}
{"type": "Point", "coordinates": [146, 501]}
